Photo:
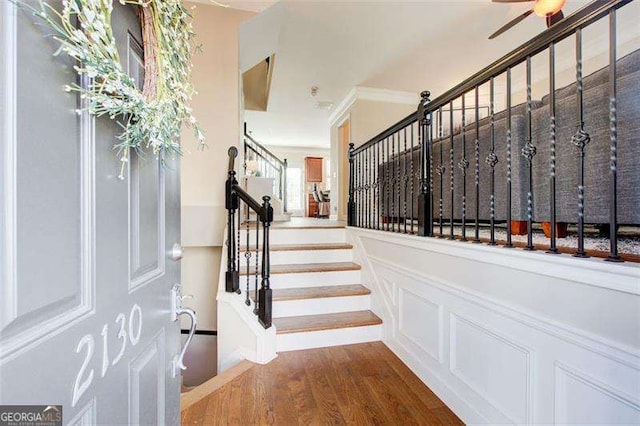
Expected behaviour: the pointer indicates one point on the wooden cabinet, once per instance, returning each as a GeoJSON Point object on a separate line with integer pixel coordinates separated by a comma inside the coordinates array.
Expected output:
{"type": "Point", "coordinates": [312, 208]}
{"type": "Point", "coordinates": [313, 167]}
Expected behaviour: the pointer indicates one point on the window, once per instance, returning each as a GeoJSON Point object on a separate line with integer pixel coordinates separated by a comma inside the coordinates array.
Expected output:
{"type": "Point", "coordinates": [294, 188]}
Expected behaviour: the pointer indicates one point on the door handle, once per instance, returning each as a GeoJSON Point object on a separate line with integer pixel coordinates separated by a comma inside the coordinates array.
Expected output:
{"type": "Point", "coordinates": [176, 311]}
{"type": "Point", "coordinates": [178, 360]}
{"type": "Point", "coordinates": [176, 252]}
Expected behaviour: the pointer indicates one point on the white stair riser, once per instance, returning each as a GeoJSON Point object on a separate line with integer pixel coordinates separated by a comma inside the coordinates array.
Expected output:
{"type": "Point", "coordinates": [326, 338]}
{"type": "Point", "coordinates": [308, 256]}
{"type": "Point", "coordinates": [309, 279]}
{"type": "Point", "coordinates": [323, 305]}
{"type": "Point", "coordinates": [297, 236]}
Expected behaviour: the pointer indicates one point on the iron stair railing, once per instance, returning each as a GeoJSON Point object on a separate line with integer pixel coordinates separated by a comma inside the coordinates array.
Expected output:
{"type": "Point", "coordinates": [402, 166]}
{"type": "Point", "coordinates": [268, 164]}
{"type": "Point", "coordinates": [256, 268]}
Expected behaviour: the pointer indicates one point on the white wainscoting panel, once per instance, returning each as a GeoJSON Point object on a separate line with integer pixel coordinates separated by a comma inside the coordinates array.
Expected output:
{"type": "Point", "coordinates": [481, 326]}
{"type": "Point", "coordinates": [491, 365]}
{"type": "Point", "coordinates": [420, 321]}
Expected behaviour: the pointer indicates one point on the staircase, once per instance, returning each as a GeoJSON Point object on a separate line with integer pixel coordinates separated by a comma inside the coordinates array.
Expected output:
{"type": "Point", "coordinates": [318, 298]}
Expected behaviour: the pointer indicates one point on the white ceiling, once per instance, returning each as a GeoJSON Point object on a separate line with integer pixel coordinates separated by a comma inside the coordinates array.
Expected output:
{"type": "Point", "coordinates": [397, 45]}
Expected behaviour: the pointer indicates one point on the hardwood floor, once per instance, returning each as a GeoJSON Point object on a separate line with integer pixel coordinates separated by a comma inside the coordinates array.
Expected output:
{"type": "Point", "coordinates": [355, 384]}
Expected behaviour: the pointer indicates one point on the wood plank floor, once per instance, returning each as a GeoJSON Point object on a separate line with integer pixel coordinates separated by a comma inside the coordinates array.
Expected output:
{"type": "Point", "coordinates": [355, 384]}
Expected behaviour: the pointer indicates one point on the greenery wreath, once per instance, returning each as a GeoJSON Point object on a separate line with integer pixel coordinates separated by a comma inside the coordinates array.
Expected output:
{"type": "Point", "coordinates": [153, 116]}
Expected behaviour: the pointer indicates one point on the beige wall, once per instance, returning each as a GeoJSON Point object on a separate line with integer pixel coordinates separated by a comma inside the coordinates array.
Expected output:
{"type": "Point", "coordinates": [368, 118]}
{"type": "Point", "coordinates": [215, 77]}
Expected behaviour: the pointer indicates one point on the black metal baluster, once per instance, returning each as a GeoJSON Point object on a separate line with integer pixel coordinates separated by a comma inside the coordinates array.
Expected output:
{"type": "Point", "coordinates": [580, 140]}
{"type": "Point", "coordinates": [492, 160]}
{"type": "Point", "coordinates": [370, 187]}
{"type": "Point", "coordinates": [405, 177]}
{"type": "Point", "coordinates": [552, 148]}
{"type": "Point", "coordinates": [365, 172]}
{"type": "Point", "coordinates": [463, 165]}
{"type": "Point", "coordinates": [257, 270]}
{"type": "Point", "coordinates": [509, 160]}
{"type": "Point", "coordinates": [351, 204]}
{"type": "Point", "coordinates": [374, 185]}
{"type": "Point", "coordinates": [429, 169]}
{"type": "Point", "coordinates": [247, 256]}
{"type": "Point", "coordinates": [359, 190]}
{"type": "Point", "coordinates": [396, 182]}
{"type": "Point", "coordinates": [613, 123]}
{"type": "Point", "coordinates": [452, 170]}
{"type": "Point", "coordinates": [476, 238]}
{"type": "Point", "coordinates": [369, 199]}
{"type": "Point", "coordinates": [356, 159]}
{"type": "Point", "coordinates": [378, 184]}
{"type": "Point", "coordinates": [363, 206]}
{"type": "Point", "coordinates": [232, 275]}
{"type": "Point", "coordinates": [387, 204]}
{"type": "Point", "coordinates": [528, 152]}
{"type": "Point", "coordinates": [411, 179]}
{"type": "Point", "coordinates": [393, 181]}
{"type": "Point", "coordinates": [441, 171]}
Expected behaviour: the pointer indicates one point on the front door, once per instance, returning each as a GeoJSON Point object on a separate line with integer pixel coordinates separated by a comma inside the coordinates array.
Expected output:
{"type": "Point", "coordinates": [85, 266]}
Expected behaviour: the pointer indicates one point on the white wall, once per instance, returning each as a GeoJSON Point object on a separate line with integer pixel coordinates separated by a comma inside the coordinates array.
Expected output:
{"type": "Point", "coordinates": [508, 336]}
{"type": "Point", "coordinates": [215, 77]}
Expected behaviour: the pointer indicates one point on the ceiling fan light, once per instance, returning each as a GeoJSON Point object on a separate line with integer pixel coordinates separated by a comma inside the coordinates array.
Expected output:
{"type": "Point", "coordinates": [544, 8]}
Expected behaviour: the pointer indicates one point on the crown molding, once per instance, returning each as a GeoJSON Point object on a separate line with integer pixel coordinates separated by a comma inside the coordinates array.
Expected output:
{"type": "Point", "coordinates": [372, 94]}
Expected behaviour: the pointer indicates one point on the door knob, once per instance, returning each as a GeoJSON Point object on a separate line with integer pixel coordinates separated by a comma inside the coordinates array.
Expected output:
{"type": "Point", "coordinates": [176, 252]}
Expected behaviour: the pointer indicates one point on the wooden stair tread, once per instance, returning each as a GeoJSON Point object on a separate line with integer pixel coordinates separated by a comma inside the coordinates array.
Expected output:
{"type": "Point", "coordinates": [307, 267]}
{"type": "Point", "coordinates": [284, 294]}
{"type": "Point", "coordinates": [304, 323]}
{"type": "Point", "coordinates": [307, 247]}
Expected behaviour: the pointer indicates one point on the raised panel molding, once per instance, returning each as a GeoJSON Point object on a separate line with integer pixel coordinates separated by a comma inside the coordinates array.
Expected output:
{"type": "Point", "coordinates": [86, 416]}
{"type": "Point", "coordinates": [141, 274]}
{"type": "Point", "coordinates": [494, 366]}
{"type": "Point", "coordinates": [153, 353]}
{"type": "Point", "coordinates": [34, 327]}
{"type": "Point", "coordinates": [580, 398]}
{"type": "Point", "coordinates": [421, 322]}
{"type": "Point", "coordinates": [390, 288]}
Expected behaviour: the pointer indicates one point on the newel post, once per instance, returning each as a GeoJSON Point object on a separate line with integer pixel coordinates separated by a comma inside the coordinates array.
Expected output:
{"type": "Point", "coordinates": [351, 204]}
{"type": "Point", "coordinates": [231, 203]}
{"type": "Point", "coordinates": [425, 221]}
{"type": "Point", "coordinates": [265, 294]}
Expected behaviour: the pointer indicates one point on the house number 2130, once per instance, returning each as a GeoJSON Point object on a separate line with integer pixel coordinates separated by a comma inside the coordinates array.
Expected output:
{"type": "Point", "coordinates": [127, 331]}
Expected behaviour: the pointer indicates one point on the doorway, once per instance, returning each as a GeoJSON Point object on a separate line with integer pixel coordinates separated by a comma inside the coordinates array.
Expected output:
{"type": "Point", "coordinates": [344, 137]}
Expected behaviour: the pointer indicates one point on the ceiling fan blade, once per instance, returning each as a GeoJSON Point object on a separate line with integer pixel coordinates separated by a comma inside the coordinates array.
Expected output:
{"type": "Point", "coordinates": [510, 24]}
{"type": "Point", "coordinates": [511, 1]}
{"type": "Point", "coordinates": [555, 18]}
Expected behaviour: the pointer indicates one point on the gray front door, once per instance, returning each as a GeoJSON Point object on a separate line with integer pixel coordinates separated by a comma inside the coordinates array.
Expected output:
{"type": "Point", "coordinates": [85, 270]}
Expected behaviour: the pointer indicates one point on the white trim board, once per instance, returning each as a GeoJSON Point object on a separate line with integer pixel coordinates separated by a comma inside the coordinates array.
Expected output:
{"type": "Point", "coordinates": [372, 94]}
